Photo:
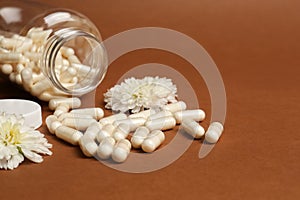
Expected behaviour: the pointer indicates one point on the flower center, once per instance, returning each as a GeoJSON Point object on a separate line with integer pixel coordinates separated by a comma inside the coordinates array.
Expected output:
{"type": "Point", "coordinates": [10, 133]}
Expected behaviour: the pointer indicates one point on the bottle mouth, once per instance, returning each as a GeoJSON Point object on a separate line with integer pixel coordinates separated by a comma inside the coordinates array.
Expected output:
{"type": "Point", "coordinates": [75, 61]}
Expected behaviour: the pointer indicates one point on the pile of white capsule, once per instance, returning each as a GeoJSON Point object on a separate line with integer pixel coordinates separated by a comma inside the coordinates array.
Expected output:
{"type": "Point", "coordinates": [108, 137]}
{"type": "Point", "coordinates": [104, 137]}
{"type": "Point", "coordinates": [20, 60]}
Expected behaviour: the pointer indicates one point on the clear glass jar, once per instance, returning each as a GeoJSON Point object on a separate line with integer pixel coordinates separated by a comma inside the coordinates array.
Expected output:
{"type": "Point", "coordinates": [62, 45]}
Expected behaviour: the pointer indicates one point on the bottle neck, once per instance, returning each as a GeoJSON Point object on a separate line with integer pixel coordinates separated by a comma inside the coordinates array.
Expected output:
{"type": "Point", "coordinates": [88, 63]}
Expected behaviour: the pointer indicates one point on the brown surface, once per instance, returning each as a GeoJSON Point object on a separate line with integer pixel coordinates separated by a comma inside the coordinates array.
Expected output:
{"type": "Point", "coordinates": [256, 47]}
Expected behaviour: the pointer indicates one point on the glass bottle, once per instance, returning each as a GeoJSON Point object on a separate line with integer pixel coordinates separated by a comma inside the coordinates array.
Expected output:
{"type": "Point", "coordinates": [60, 44]}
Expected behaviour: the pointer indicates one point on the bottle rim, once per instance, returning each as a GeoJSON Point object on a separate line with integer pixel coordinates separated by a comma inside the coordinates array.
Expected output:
{"type": "Point", "coordinates": [50, 54]}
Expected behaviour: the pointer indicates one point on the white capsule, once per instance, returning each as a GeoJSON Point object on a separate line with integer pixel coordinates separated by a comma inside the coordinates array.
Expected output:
{"type": "Point", "coordinates": [106, 131]}
{"type": "Point", "coordinates": [7, 69]}
{"type": "Point", "coordinates": [163, 123]}
{"type": "Point", "coordinates": [18, 79]}
{"type": "Point", "coordinates": [19, 67]}
{"type": "Point", "coordinates": [214, 132]}
{"type": "Point", "coordinates": [10, 43]}
{"type": "Point", "coordinates": [111, 119]}
{"type": "Point", "coordinates": [49, 120]}
{"type": "Point", "coordinates": [164, 113]}
{"type": "Point", "coordinates": [78, 123]}
{"type": "Point", "coordinates": [74, 59]}
{"type": "Point", "coordinates": [175, 107]}
{"type": "Point", "coordinates": [26, 45]}
{"type": "Point", "coordinates": [67, 75]}
{"type": "Point", "coordinates": [193, 128]}
{"type": "Point", "coordinates": [139, 136]}
{"type": "Point", "coordinates": [62, 108]}
{"type": "Point", "coordinates": [55, 125]}
{"type": "Point", "coordinates": [83, 70]}
{"type": "Point", "coordinates": [93, 130]}
{"type": "Point", "coordinates": [26, 75]}
{"type": "Point", "coordinates": [65, 62]}
{"type": "Point", "coordinates": [12, 77]}
{"type": "Point", "coordinates": [196, 115]}
{"type": "Point", "coordinates": [88, 146]}
{"type": "Point", "coordinates": [68, 134]}
{"type": "Point", "coordinates": [121, 151]}
{"type": "Point", "coordinates": [133, 123]}
{"type": "Point", "coordinates": [48, 95]}
{"type": "Point", "coordinates": [33, 56]}
{"type": "Point", "coordinates": [106, 148]}
{"type": "Point", "coordinates": [96, 113]}
{"type": "Point", "coordinates": [10, 57]}
{"type": "Point", "coordinates": [144, 114]}
{"type": "Point", "coordinates": [67, 51]}
{"type": "Point", "coordinates": [121, 131]}
{"type": "Point", "coordinates": [153, 141]}
{"type": "Point", "coordinates": [73, 115]}
{"type": "Point", "coordinates": [37, 77]}
{"type": "Point", "coordinates": [72, 102]}
{"type": "Point", "coordinates": [39, 36]}
{"type": "Point", "coordinates": [40, 87]}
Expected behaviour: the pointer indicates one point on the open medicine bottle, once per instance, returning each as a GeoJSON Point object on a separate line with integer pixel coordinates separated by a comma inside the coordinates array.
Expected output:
{"type": "Point", "coordinates": [60, 49]}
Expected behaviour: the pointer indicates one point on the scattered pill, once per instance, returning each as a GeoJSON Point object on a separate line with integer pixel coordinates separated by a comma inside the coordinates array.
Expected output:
{"type": "Point", "coordinates": [12, 77]}
{"type": "Point", "coordinates": [163, 123]}
{"type": "Point", "coordinates": [10, 43]}
{"type": "Point", "coordinates": [93, 130]}
{"type": "Point", "coordinates": [175, 107]}
{"type": "Point", "coordinates": [26, 75]}
{"type": "Point", "coordinates": [33, 56]}
{"type": "Point", "coordinates": [121, 131]}
{"type": "Point", "coordinates": [96, 113]}
{"type": "Point", "coordinates": [88, 146]}
{"type": "Point", "coordinates": [40, 87]}
{"type": "Point", "coordinates": [214, 132]}
{"type": "Point", "coordinates": [111, 119]}
{"type": "Point", "coordinates": [49, 120]}
{"type": "Point", "coordinates": [72, 102]}
{"type": "Point", "coordinates": [106, 131]}
{"type": "Point", "coordinates": [62, 108]}
{"type": "Point", "coordinates": [121, 151]}
{"type": "Point", "coordinates": [73, 115]}
{"type": "Point", "coordinates": [19, 67]}
{"type": "Point", "coordinates": [10, 57]}
{"type": "Point", "coordinates": [153, 141]}
{"type": "Point", "coordinates": [196, 115]}
{"type": "Point", "coordinates": [40, 36]}
{"type": "Point", "coordinates": [106, 148]}
{"type": "Point", "coordinates": [48, 95]}
{"type": "Point", "coordinates": [133, 123]}
{"type": "Point", "coordinates": [55, 125]}
{"type": "Point", "coordinates": [139, 136]}
{"type": "Point", "coordinates": [68, 134]}
{"type": "Point", "coordinates": [164, 113]}
{"type": "Point", "coordinates": [18, 79]}
{"type": "Point", "coordinates": [193, 128]}
{"type": "Point", "coordinates": [6, 69]}
{"type": "Point", "coordinates": [78, 123]}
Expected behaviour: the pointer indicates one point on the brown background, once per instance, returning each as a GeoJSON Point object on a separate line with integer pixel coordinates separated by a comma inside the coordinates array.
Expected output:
{"type": "Point", "coordinates": [256, 47]}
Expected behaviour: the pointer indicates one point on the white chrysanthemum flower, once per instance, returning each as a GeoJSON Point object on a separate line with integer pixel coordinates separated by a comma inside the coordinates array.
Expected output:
{"type": "Point", "coordinates": [18, 141]}
{"type": "Point", "coordinates": [138, 94]}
